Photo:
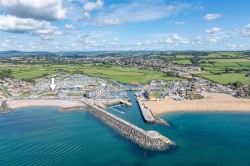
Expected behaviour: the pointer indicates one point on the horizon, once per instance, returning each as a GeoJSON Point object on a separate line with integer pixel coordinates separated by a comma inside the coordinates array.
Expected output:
{"type": "Point", "coordinates": [168, 51]}
{"type": "Point", "coordinates": [124, 25]}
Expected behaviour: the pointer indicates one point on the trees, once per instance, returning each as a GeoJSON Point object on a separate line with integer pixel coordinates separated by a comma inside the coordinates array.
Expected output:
{"type": "Point", "coordinates": [238, 84]}
{"type": "Point", "coordinates": [195, 60]}
{"type": "Point", "coordinates": [5, 73]}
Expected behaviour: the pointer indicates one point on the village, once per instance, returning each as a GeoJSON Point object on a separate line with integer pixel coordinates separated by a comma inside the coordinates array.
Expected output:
{"type": "Point", "coordinates": [67, 85]}
{"type": "Point", "coordinates": [83, 86]}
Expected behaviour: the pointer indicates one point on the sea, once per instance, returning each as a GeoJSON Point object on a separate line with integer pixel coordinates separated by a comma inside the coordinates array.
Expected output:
{"type": "Point", "coordinates": [45, 136]}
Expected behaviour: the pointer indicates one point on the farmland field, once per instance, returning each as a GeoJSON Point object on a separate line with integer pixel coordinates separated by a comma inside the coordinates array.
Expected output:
{"type": "Point", "coordinates": [121, 74]}
{"type": "Point", "coordinates": [225, 78]}
{"type": "Point", "coordinates": [222, 64]}
{"type": "Point", "coordinates": [184, 56]}
{"type": "Point", "coordinates": [182, 62]}
{"type": "Point", "coordinates": [225, 54]}
{"type": "Point", "coordinates": [231, 60]}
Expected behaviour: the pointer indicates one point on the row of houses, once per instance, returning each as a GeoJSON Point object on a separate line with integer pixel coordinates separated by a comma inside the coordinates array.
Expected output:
{"type": "Point", "coordinates": [184, 89]}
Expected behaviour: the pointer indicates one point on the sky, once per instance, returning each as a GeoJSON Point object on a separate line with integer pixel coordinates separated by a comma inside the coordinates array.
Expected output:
{"type": "Point", "coordinates": [124, 25]}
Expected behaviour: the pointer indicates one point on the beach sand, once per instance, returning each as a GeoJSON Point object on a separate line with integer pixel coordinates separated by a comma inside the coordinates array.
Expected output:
{"type": "Point", "coordinates": [211, 102]}
{"type": "Point", "coordinates": [13, 104]}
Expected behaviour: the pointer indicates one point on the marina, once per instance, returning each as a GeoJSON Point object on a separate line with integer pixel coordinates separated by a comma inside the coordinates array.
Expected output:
{"type": "Point", "coordinates": [117, 110]}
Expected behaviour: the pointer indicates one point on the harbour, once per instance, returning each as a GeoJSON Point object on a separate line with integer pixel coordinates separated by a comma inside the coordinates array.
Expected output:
{"type": "Point", "coordinates": [146, 139]}
{"type": "Point", "coordinates": [152, 140]}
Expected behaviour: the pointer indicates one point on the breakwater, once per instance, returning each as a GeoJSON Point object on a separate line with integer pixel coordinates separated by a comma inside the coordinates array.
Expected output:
{"type": "Point", "coordinates": [4, 108]}
{"type": "Point", "coordinates": [146, 139]}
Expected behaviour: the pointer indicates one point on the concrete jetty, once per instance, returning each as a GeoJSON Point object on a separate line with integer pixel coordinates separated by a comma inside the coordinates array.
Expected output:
{"type": "Point", "coordinates": [146, 139]}
{"type": "Point", "coordinates": [148, 116]}
{"type": "Point", "coordinates": [127, 103]}
{"type": "Point", "coordinates": [146, 113]}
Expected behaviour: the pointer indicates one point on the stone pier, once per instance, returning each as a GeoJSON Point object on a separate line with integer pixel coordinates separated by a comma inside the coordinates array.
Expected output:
{"type": "Point", "coordinates": [4, 108]}
{"type": "Point", "coordinates": [146, 139]}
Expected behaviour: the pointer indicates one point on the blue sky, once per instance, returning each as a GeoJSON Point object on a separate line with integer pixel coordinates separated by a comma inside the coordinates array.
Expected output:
{"type": "Point", "coordinates": [99, 25]}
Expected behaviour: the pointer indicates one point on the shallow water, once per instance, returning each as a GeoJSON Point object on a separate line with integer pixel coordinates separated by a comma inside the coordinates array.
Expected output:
{"type": "Point", "coordinates": [45, 136]}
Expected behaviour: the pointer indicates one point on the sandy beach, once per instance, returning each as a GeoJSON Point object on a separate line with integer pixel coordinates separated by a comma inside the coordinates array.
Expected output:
{"type": "Point", "coordinates": [211, 102]}
{"type": "Point", "coordinates": [13, 104]}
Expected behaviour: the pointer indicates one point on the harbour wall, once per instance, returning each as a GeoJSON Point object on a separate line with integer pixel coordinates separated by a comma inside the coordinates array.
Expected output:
{"type": "Point", "coordinates": [146, 139]}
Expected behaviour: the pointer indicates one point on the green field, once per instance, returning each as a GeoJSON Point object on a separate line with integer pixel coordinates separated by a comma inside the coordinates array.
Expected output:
{"type": "Point", "coordinates": [225, 54]}
{"type": "Point", "coordinates": [221, 65]}
{"type": "Point", "coordinates": [157, 94]}
{"type": "Point", "coordinates": [182, 62]}
{"type": "Point", "coordinates": [217, 71]}
{"type": "Point", "coordinates": [231, 60]}
{"type": "Point", "coordinates": [167, 56]}
{"type": "Point", "coordinates": [225, 78]}
{"type": "Point", "coordinates": [184, 56]}
{"type": "Point", "coordinates": [121, 74]}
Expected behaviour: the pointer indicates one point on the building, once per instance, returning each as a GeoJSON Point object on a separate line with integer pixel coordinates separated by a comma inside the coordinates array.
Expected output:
{"type": "Point", "coordinates": [150, 95]}
{"type": "Point", "coordinates": [90, 93]}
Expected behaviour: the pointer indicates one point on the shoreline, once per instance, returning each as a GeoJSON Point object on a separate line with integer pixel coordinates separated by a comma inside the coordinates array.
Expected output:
{"type": "Point", "coordinates": [199, 111]}
{"type": "Point", "coordinates": [64, 105]}
{"type": "Point", "coordinates": [212, 102]}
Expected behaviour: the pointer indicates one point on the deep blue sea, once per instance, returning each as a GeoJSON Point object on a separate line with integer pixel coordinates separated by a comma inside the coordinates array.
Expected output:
{"type": "Point", "coordinates": [45, 136]}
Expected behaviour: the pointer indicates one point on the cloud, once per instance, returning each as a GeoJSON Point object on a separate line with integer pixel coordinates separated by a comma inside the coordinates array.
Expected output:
{"type": "Point", "coordinates": [169, 41]}
{"type": "Point", "coordinates": [138, 11]}
{"type": "Point", "coordinates": [5, 45]}
{"type": "Point", "coordinates": [214, 39]}
{"type": "Point", "coordinates": [213, 30]}
{"type": "Point", "coordinates": [68, 26]}
{"type": "Point", "coordinates": [246, 30]}
{"type": "Point", "coordinates": [152, 42]}
{"type": "Point", "coordinates": [38, 9]}
{"type": "Point", "coordinates": [179, 40]}
{"type": "Point", "coordinates": [108, 21]}
{"type": "Point", "coordinates": [236, 47]}
{"type": "Point", "coordinates": [176, 37]}
{"type": "Point", "coordinates": [217, 38]}
{"type": "Point", "coordinates": [26, 25]}
{"type": "Point", "coordinates": [178, 22]}
{"type": "Point", "coordinates": [210, 17]}
{"type": "Point", "coordinates": [91, 6]}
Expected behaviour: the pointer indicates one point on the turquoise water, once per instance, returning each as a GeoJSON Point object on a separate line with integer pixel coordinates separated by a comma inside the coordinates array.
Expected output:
{"type": "Point", "coordinates": [45, 136]}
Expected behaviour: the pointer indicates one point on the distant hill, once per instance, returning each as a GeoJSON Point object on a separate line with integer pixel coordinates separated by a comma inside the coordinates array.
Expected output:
{"type": "Point", "coordinates": [21, 53]}
{"type": "Point", "coordinates": [10, 52]}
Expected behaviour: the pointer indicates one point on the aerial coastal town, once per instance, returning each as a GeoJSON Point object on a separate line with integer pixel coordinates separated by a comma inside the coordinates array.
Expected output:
{"type": "Point", "coordinates": [81, 86]}
{"type": "Point", "coordinates": [100, 82]}
{"type": "Point", "coordinates": [124, 82]}
{"type": "Point", "coordinates": [183, 82]}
